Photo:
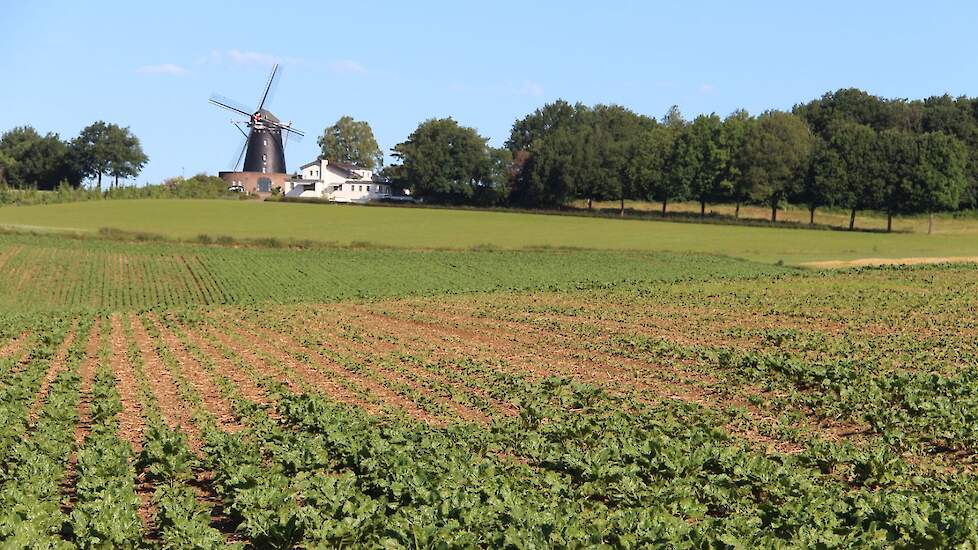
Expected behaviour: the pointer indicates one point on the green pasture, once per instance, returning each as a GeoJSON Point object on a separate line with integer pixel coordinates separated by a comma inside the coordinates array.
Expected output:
{"type": "Point", "coordinates": [444, 228]}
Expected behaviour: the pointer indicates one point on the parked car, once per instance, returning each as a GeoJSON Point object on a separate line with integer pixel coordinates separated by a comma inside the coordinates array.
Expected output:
{"type": "Point", "coordinates": [236, 188]}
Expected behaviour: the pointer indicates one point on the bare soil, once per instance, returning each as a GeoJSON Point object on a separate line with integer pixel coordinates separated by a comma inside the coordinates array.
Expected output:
{"type": "Point", "coordinates": [177, 413]}
{"type": "Point", "coordinates": [199, 379]}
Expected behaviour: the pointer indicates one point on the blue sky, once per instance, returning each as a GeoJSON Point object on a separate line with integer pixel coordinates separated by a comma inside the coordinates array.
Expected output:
{"type": "Point", "coordinates": [152, 65]}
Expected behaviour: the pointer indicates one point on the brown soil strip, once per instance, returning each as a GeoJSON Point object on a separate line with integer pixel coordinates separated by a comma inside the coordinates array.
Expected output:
{"type": "Point", "coordinates": [872, 262]}
{"type": "Point", "coordinates": [13, 346]}
{"type": "Point", "coordinates": [131, 418]}
{"type": "Point", "coordinates": [131, 423]}
{"type": "Point", "coordinates": [521, 351]}
{"type": "Point", "coordinates": [243, 383]}
{"type": "Point", "coordinates": [199, 379]}
{"type": "Point", "coordinates": [177, 414]}
{"type": "Point", "coordinates": [57, 366]}
{"type": "Point", "coordinates": [364, 353]}
{"type": "Point", "coordinates": [335, 371]}
{"type": "Point", "coordinates": [86, 372]}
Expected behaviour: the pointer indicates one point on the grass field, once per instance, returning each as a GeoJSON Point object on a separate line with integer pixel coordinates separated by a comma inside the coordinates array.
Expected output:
{"type": "Point", "coordinates": [944, 224]}
{"type": "Point", "coordinates": [429, 395]}
{"type": "Point", "coordinates": [436, 228]}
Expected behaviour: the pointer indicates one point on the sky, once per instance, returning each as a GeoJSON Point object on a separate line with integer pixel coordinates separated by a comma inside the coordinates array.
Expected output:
{"type": "Point", "coordinates": [152, 66]}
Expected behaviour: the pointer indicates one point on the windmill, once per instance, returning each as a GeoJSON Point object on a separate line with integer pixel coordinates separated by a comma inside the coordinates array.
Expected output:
{"type": "Point", "coordinates": [263, 149]}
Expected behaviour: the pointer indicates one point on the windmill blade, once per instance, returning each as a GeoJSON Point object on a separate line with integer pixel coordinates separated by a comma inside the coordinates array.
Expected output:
{"type": "Point", "coordinates": [296, 137]}
{"type": "Point", "coordinates": [236, 160]}
{"type": "Point", "coordinates": [229, 105]}
{"type": "Point", "coordinates": [268, 88]}
{"type": "Point", "coordinates": [240, 129]}
{"type": "Point", "coordinates": [285, 128]}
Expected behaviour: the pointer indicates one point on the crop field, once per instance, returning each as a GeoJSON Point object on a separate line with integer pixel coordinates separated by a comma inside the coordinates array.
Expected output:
{"type": "Point", "coordinates": [463, 229]}
{"type": "Point", "coordinates": [183, 396]}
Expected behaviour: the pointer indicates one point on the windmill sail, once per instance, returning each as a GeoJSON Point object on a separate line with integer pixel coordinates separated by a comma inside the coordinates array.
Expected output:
{"type": "Point", "coordinates": [265, 148]}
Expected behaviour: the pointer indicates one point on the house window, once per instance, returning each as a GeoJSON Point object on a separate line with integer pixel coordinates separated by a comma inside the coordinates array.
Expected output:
{"type": "Point", "coordinates": [264, 185]}
{"type": "Point", "coordinates": [264, 142]}
{"type": "Point", "coordinates": [264, 158]}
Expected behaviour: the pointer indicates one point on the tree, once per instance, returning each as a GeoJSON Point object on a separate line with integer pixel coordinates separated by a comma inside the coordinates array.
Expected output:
{"type": "Point", "coordinates": [858, 148]}
{"type": "Point", "coordinates": [33, 160]}
{"type": "Point", "coordinates": [846, 105]}
{"type": "Point", "coordinates": [734, 133]}
{"type": "Point", "coordinates": [778, 151]}
{"type": "Point", "coordinates": [448, 163]}
{"type": "Point", "coordinates": [939, 175]}
{"type": "Point", "coordinates": [823, 179]}
{"type": "Point", "coordinates": [708, 159]}
{"type": "Point", "coordinates": [547, 175]}
{"type": "Point", "coordinates": [613, 129]}
{"type": "Point", "coordinates": [547, 147]}
{"type": "Point", "coordinates": [898, 157]}
{"type": "Point", "coordinates": [352, 142]}
{"type": "Point", "coordinates": [542, 122]}
{"type": "Point", "coordinates": [126, 156]}
{"type": "Point", "coordinates": [648, 159]}
{"type": "Point", "coordinates": [101, 146]}
{"type": "Point", "coordinates": [7, 163]}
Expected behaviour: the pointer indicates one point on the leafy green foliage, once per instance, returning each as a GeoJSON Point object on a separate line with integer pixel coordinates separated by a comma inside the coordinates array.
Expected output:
{"type": "Point", "coordinates": [352, 142]}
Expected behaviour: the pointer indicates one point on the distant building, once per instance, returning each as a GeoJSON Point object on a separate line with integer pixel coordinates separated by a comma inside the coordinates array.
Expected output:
{"type": "Point", "coordinates": [339, 182]}
{"type": "Point", "coordinates": [254, 183]}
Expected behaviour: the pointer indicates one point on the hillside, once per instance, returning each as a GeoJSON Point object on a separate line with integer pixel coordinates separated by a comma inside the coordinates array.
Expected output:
{"type": "Point", "coordinates": [461, 229]}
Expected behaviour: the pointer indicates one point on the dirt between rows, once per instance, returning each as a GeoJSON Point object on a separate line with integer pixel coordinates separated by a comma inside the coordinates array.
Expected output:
{"type": "Point", "coordinates": [328, 375]}
{"type": "Point", "coordinates": [57, 367]}
{"type": "Point", "coordinates": [385, 363]}
{"type": "Point", "coordinates": [13, 346]}
{"type": "Point", "coordinates": [203, 384]}
{"type": "Point", "coordinates": [83, 428]}
{"type": "Point", "coordinates": [334, 343]}
{"type": "Point", "coordinates": [541, 353]}
{"type": "Point", "coordinates": [176, 413]}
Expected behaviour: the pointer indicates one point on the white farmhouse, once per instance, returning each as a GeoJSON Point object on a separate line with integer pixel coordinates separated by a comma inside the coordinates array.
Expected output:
{"type": "Point", "coordinates": [336, 182]}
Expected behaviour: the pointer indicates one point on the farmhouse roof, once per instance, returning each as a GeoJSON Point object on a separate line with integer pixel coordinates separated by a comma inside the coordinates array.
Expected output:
{"type": "Point", "coordinates": [308, 164]}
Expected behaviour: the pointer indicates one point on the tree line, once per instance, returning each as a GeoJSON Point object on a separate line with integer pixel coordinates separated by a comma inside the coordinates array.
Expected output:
{"type": "Point", "coordinates": [847, 149]}
{"type": "Point", "coordinates": [29, 160]}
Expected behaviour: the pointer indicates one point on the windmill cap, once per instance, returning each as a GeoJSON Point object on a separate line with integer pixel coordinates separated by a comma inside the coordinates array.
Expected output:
{"type": "Point", "coordinates": [267, 115]}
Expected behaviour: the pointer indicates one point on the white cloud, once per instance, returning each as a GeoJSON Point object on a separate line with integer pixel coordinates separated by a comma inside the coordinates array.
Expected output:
{"type": "Point", "coordinates": [163, 68]}
{"type": "Point", "coordinates": [212, 57]}
{"type": "Point", "coordinates": [347, 66]}
{"type": "Point", "coordinates": [251, 58]}
{"type": "Point", "coordinates": [706, 88]}
{"type": "Point", "coordinates": [532, 89]}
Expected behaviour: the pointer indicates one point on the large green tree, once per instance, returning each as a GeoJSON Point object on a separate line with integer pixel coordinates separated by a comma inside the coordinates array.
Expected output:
{"type": "Point", "coordinates": [646, 171]}
{"type": "Point", "coordinates": [547, 148]}
{"type": "Point", "coordinates": [940, 175]}
{"type": "Point", "coordinates": [822, 185]}
{"type": "Point", "coordinates": [777, 152]}
{"type": "Point", "coordinates": [448, 163]}
{"type": "Point", "coordinates": [612, 132]}
{"type": "Point", "coordinates": [704, 150]}
{"type": "Point", "coordinates": [106, 149]}
{"type": "Point", "coordinates": [34, 160]}
{"type": "Point", "coordinates": [352, 142]}
{"type": "Point", "coordinates": [863, 167]}
{"type": "Point", "coordinates": [734, 132]}
{"type": "Point", "coordinates": [127, 157]}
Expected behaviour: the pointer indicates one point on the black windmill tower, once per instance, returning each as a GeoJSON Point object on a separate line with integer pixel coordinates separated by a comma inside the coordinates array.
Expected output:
{"type": "Point", "coordinates": [264, 148]}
